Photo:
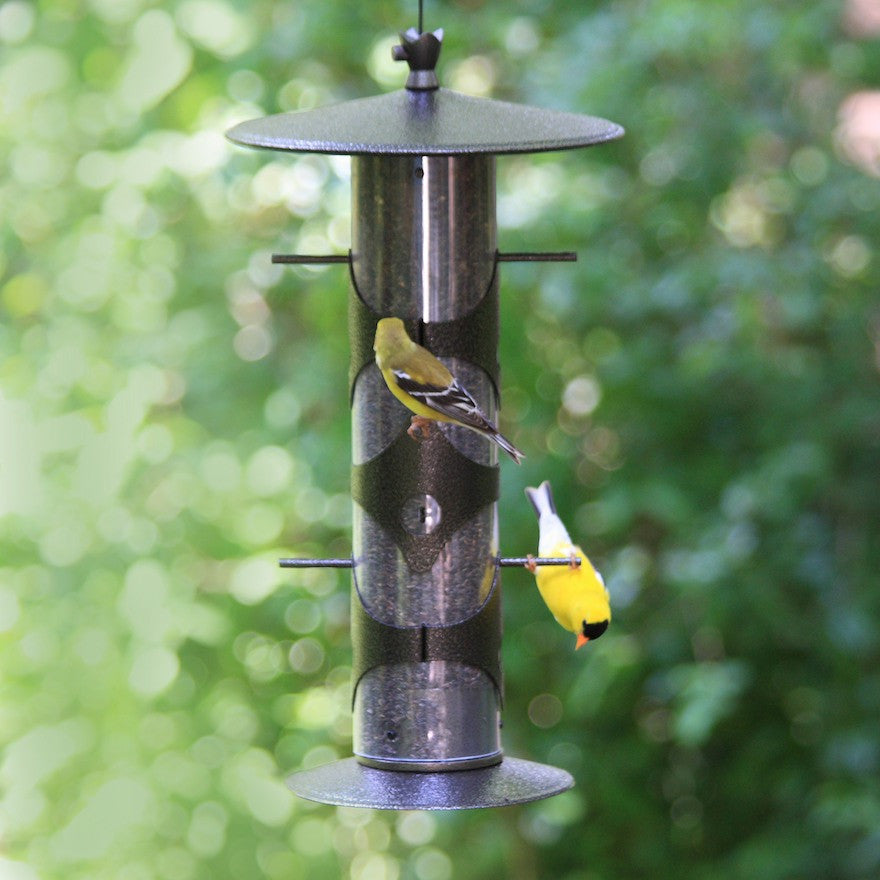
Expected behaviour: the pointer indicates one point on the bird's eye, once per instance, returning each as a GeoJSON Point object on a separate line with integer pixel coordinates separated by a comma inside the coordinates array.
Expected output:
{"type": "Point", "coordinates": [594, 630]}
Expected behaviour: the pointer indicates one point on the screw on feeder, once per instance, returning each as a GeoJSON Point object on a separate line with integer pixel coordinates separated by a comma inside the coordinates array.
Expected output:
{"type": "Point", "coordinates": [426, 613]}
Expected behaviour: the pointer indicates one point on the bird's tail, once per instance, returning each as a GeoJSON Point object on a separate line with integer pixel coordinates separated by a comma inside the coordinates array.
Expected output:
{"type": "Point", "coordinates": [516, 454]}
{"type": "Point", "coordinates": [542, 499]}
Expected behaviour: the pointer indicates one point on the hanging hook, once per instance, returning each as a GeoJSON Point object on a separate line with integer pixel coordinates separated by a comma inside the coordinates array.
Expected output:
{"type": "Point", "coordinates": [420, 51]}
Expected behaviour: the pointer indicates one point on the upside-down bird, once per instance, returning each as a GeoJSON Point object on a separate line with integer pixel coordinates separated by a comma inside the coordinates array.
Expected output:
{"type": "Point", "coordinates": [575, 594]}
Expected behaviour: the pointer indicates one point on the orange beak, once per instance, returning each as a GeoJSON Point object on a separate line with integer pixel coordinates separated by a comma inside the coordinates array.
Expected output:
{"type": "Point", "coordinates": [581, 641]}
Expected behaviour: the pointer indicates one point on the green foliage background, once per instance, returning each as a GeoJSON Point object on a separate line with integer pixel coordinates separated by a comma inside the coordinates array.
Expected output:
{"type": "Point", "coordinates": [701, 388]}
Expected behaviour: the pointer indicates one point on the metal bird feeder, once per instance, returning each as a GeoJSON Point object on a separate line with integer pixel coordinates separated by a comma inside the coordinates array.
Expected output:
{"type": "Point", "coordinates": [426, 592]}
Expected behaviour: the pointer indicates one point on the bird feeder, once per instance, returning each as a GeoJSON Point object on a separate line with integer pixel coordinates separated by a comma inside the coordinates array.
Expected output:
{"type": "Point", "coordinates": [426, 591]}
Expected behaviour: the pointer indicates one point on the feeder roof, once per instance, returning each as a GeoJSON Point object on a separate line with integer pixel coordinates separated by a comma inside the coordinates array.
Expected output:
{"type": "Point", "coordinates": [436, 122]}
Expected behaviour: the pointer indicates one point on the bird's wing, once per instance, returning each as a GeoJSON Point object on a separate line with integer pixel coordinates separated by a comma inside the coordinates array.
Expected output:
{"type": "Point", "coordinates": [452, 400]}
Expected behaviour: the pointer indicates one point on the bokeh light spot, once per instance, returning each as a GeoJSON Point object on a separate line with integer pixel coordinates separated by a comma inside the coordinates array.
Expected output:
{"type": "Point", "coordinates": [312, 837]}
{"type": "Point", "coordinates": [252, 343]}
{"type": "Point", "coordinates": [24, 294]}
{"type": "Point", "coordinates": [16, 21]}
{"type": "Point", "coordinates": [216, 26]}
{"type": "Point", "coordinates": [153, 670]}
{"type": "Point", "coordinates": [581, 396]}
{"type": "Point", "coordinates": [114, 808]}
{"type": "Point", "coordinates": [382, 67]}
{"type": "Point", "coordinates": [158, 63]}
{"type": "Point", "coordinates": [306, 656]}
{"type": "Point", "coordinates": [10, 610]}
{"type": "Point", "coordinates": [302, 616]}
{"type": "Point", "coordinates": [253, 580]}
{"type": "Point", "coordinates": [545, 710]}
{"type": "Point", "coordinates": [269, 470]}
{"type": "Point", "coordinates": [206, 834]}
{"type": "Point", "coordinates": [416, 828]}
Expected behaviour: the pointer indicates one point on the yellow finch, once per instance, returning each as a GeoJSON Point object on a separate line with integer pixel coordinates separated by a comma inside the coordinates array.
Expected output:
{"type": "Point", "coordinates": [424, 386]}
{"type": "Point", "coordinates": [575, 594]}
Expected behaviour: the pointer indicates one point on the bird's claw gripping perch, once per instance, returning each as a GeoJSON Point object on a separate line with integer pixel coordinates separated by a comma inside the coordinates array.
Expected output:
{"type": "Point", "coordinates": [530, 563]}
{"type": "Point", "coordinates": [420, 428]}
{"type": "Point", "coordinates": [574, 562]}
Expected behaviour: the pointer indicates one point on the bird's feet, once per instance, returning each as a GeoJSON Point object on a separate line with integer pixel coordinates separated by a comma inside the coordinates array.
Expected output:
{"type": "Point", "coordinates": [574, 562]}
{"type": "Point", "coordinates": [530, 563]}
{"type": "Point", "coordinates": [420, 428]}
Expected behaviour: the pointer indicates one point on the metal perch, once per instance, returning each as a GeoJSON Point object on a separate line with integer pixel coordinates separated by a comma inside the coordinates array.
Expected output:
{"type": "Point", "coordinates": [503, 561]}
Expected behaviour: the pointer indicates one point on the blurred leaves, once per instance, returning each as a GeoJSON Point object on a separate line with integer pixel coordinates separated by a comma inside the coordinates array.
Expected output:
{"type": "Point", "coordinates": [701, 390]}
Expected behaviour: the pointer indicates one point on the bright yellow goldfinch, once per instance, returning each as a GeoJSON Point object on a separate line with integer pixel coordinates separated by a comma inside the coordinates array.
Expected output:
{"type": "Point", "coordinates": [424, 386]}
{"type": "Point", "coordinates": [575, 594]}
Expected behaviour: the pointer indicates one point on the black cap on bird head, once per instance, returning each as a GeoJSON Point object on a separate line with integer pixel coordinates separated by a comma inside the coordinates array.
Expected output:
{"type": "Point", "coordinates": [589, 632]}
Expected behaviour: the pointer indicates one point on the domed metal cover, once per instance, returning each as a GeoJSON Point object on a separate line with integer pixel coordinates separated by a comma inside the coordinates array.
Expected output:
{"type": "Point", "coordinates": [424, 123]}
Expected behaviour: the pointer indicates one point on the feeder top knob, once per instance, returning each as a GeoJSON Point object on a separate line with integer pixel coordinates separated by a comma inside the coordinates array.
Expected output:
{"type": "Point", "coordinates": [420, 51]}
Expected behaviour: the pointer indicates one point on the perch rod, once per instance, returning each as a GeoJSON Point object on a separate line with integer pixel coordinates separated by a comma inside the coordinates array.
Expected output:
{"type": "Point", "coordinates": [504, 562]}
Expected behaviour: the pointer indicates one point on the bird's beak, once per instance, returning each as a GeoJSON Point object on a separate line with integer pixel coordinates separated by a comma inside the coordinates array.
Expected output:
{"type": "Point", "coordinates": [581, 641]}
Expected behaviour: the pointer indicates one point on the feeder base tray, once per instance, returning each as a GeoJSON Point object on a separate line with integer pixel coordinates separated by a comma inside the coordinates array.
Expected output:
{"type": "Point", "coordinates": [347, 783]}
